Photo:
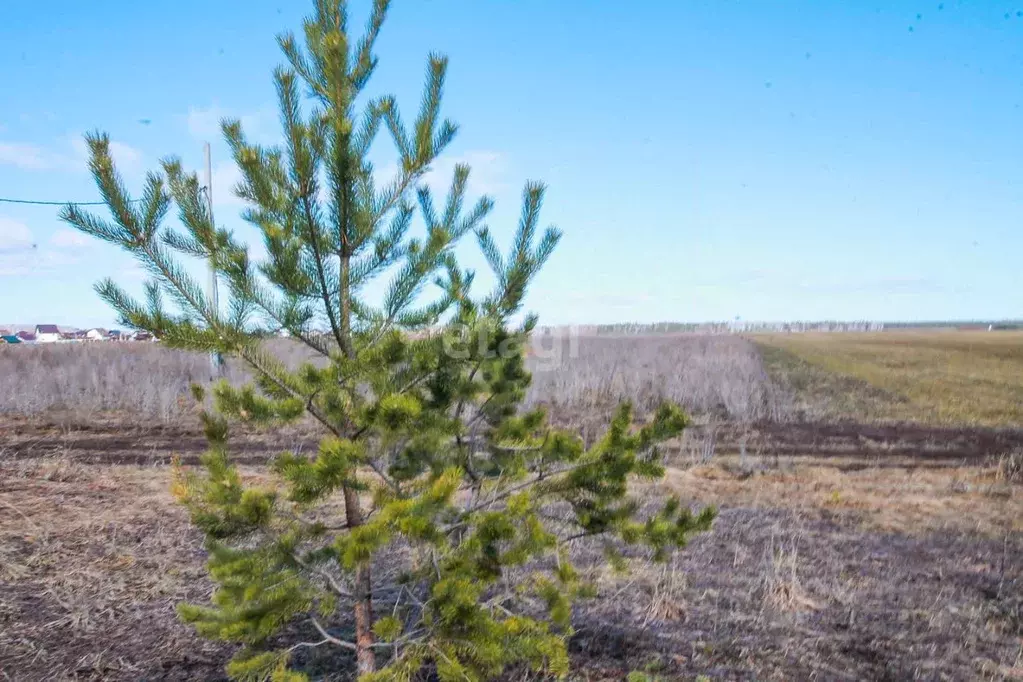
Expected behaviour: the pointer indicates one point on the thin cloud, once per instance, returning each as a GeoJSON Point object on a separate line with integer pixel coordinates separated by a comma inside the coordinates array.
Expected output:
{"type": "Point", "coordinates": [126, 157]}
{"type": "Point", "coordinates": [14, 236]}
{"type": "Point", "coordinates": [36, 263]}
{"type": "Point", "coordinates": [21, 256]}
{"type": "Point", "coordinates": [883, 285]}
{"type": "Point", "coordinates": [204, 122]}
{"type": "Point", "coordinates": [790, 281]}
{"type": "Point", "coordinates": [23, 156]}
{"type": "Point", "coordinates": [486, 176]}
{"type": "Point", "coordinates": [133, 273]}
{"type": "Point", "coordinates": [226, 175]}
{"type": "Point", "coordinates": [35, 158]}
{"type": "Point", "coordinates": [67, 238]}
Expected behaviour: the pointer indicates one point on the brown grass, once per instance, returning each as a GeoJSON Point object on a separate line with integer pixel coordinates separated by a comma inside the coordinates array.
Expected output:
{"type": "Point", "coordinates": [718, 375]}
{"type": "Point", "coordinates": [893, 499]}
{"type": "Point", "coordinates": [971, 378]}
{"type": "Point", "coordinates": [83, 382]}
{"type": "Point", "coordinates": [781, 586]}
{"type": "Point", "coordinates": [94, 558]}
{"type": "Point", "coordinates": [1010, 466]}
{"type": "Point", "coordinates": [934, 377]}
{"type": "Point", "coordinates": [86, 550]}
{"type": "Point", "coordinates": [828, 568]}
{"type": "Point", "coordinates": [138, 383]}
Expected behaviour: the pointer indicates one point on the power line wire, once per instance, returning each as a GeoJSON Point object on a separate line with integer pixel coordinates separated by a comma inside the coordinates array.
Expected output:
{"type": "Point", "coordinates": [57, 203]}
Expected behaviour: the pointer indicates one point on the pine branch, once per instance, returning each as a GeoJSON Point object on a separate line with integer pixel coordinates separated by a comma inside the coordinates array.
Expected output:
{"type": "Point", "coordinates": [342, 340]}
{"type": "Point", "coordinates": [365, 62]}
{"type": "Point", "coordinates": [262, 299]}
{"type": "Point", "coordinates": [256, 363]}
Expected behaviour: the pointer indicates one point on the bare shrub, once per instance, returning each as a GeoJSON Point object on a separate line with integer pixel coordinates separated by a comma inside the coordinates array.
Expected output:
{"type": "Point", "coordinates": [709, 374]}
{"type": "Point", "coordinates": [700, 444]}
{"type": "Point", "coordinates": [1010, 467]}
{"type": "Point", "coordinates": [143, 381]}
{"type": "Point", "coordinates": [667, 593]}
{"type": "Point", "coordinates": [780, 584]}
{"type": "Point", "coordinates": [722, 376]}
{"type": "Point", "coordinates": [60, 468]}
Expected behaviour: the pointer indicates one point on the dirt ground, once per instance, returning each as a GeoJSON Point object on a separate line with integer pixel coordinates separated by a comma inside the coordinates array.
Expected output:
{"type": "Point", "coordinates": [862, 566]}
{"type": "Point", "coordinates": [113, 441]}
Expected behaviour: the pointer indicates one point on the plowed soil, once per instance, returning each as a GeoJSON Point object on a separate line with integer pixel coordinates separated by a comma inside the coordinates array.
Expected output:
{"type": "Point", "coordinates": [869, 553]}
{"type": "Point", "coordinates": [895, 444]}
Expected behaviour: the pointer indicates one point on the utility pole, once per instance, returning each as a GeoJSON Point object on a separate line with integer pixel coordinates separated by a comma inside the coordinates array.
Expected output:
{"type": "Point", "coordinates": [211, 287]}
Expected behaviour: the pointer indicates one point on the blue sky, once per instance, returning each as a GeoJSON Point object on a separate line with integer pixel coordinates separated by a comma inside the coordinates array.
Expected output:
{"type": "Point", "coordinates": [705, 160]}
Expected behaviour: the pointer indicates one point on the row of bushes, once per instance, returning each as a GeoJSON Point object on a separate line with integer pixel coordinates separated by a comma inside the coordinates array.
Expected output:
{"type": "Point", "coordinates": [583, 374]}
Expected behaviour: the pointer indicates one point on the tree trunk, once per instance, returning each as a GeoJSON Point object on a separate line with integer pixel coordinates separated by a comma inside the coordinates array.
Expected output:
{"type": "Point", "coordinates": [366, 660]}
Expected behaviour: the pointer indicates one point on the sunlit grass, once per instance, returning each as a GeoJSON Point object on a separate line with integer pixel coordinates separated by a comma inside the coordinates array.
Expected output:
{"type": "Point", "coordinates": [940, 377]}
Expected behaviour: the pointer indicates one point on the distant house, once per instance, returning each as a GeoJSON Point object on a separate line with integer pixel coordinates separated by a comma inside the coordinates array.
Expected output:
{"type": "Point", "coordinates": [97, 334]}
{"type": "Point", "coordinates": [11, 338]}
{"type": "Point", "coordinates": [26, 337]}
{"type": "Point", "coordinates": [143, 336]}
{"type": "Point", "coordinates": [114, 335]}
{"type": "Point", "coordinates": [47, 333]}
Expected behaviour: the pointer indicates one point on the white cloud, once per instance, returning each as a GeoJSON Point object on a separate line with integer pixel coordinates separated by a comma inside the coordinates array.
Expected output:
{"type": "Point", "coordinates": [225, 176]}
{"type": "Point", "coordinates": [14, 236]}
{"type": "Point", "coordinates": [36, 158]}
{"type": "Point", "coordinates": [486, 175]}
{"type": "Point", "coordinates": [127, 158]}
{"type": "Point", "coordinates": [204, 122]}
{"type": "Point", "coordinates": [67, 238]}
{"type": "Point", "coordinates": [133, 273]}
{"type": "Point", "coordinates": [125, 155]}
{"type": "Point", "coordinates": [35, 262]}
{"type": "Point", "coordinates": [21, 256]}
{"type": "Point", "coordinates": [23, 156]}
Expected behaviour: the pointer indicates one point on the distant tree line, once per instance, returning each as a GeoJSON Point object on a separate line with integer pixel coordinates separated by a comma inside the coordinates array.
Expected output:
{"type": "Point", "coordinates": [740, 326]}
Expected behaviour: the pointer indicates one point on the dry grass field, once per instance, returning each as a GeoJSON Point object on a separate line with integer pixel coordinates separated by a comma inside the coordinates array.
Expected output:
{"type": "Point", "coordinates": [147, 383]}
{"type": "Point", "coordinates": [850, 545]}
{"type": "Point", "coordinates": [933, 377]}
{"type": "Point", "coordinates": [812, 571]}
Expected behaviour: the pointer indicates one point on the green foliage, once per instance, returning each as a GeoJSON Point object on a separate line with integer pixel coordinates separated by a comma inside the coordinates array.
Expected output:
{"type": "Point", "coordinates": [638, 676]}
{"type": "Point", "coordinates": [427, 498]}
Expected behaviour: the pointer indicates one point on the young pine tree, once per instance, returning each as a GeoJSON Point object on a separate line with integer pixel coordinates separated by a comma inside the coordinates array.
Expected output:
{"type": "Point", "coordinates": [432, 527]}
